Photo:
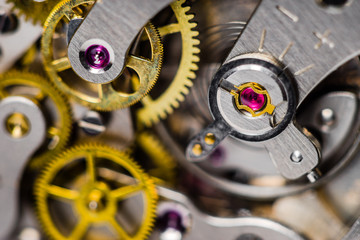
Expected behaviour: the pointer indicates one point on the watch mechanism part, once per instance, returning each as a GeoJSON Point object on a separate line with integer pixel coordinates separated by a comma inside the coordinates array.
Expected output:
{"type": "Point", "coordinates": [16, 36]}
{"type": "Point", "coordinates": [217, 228]}
{"type": "Point", "coordinates": [247, 109]}
{"type": "Point", "coordinates": [103, 97]}
{"type": "Point", "coordinates": [96, 195]}
{"type": "Point", "coordinates": [163, 164]}
{"type": "Point", "coordinates": [155, 108]}
{"type": "Point", "coordinates": [92, 123]}
{"type": "Point", "coordinates": [9, 22]}
{"type": "Point", "coordinates": [23, 130]}
{"type": "Point", "coordinates": [114, 34]}
{"type": "Point", "coordinates": [53, 103]}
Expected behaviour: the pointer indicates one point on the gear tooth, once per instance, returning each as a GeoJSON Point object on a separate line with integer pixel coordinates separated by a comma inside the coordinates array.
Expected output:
{"type": "Point", "coordinates": [189, 84]}
{"type": "Point", "coordinates": [196, 42]}
{"type": "Point", "coordinates": [186, 9]}
{"type": "Point", "coordinates": [192, 75]}
{"type": "Point", "coordinates": [186, 91]}
{"type": "Point", "coordinates": [162, 115]}
{"type": "Point", "coordinates": [194, 66]}
{"type": "Point", "coordinates": [195, 34]}
{"type": "Point", "coordinates": [196, 51]}
{"type": "Point", "coordinates": [176, 104]}
{"type": "Point", "coordinates": [191, 16]}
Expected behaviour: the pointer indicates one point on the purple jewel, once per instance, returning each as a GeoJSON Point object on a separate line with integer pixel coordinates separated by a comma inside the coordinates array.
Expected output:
{"type": "Point", "coordinates": [171, 219]}
{"type": "Point", "coordinates": [253, 100]}
{"type": "Point", "coordinates": [97, 56]}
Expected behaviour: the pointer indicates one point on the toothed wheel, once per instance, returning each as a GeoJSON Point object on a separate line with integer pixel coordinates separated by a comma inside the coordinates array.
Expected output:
{"type": "Point", "coordinates": [55, 106]}
{"type": "Point", "coordinates": [37, 11]}
{"type": "Point", "coordinates": [163, 164]}
{"type": "Point", "coordinates": [145, 62]}
{"type": "Point", "coordinates": [102, 188]}
{"type": "Point", "coordinates": [156, 108]}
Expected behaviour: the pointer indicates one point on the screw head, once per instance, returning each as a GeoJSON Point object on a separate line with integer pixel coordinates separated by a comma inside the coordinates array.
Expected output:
{"type": "Point", "coordinates": [327, 116]}
{"type": "Point", "coordinates": [17, 125]}
{"type": "Point", "coordinates": [296, 156]}
{"type": "Point", "coordinates": [92, 123]}
{"type": "Point", "coordinates": [97, 56]}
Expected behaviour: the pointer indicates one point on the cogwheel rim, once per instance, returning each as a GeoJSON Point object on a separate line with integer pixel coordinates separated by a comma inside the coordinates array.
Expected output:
{"type": "Point", "coordinates": [108, 98]}
{"type": "Point", "coordinates": [35, 11]}
{"type": "Point", "coordinates": [163, 160]}
{"type": "Point", "coordinates": [153, 110]}
{"type": "Point", "coordinates": [122, 159]}
{"type": "Point", "coordinates": [63, 129]}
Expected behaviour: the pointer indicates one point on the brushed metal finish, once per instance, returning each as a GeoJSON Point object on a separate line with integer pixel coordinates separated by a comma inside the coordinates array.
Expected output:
{"type": "Point", "coordinates": [281, 148]}
{"type": "Point", "coordinates": [116, 22]}
{"type": "Point", "coordinates": [354, 232]}
{"type": "Point", "coordinates": [204, 226]}
{"type": "Point", "coordinates": [321, 40]}
{"type": "Point", "coordinates": [14, 155]}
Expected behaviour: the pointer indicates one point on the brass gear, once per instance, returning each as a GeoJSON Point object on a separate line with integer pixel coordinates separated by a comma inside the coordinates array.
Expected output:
{"type": "Point", "coordinates": [103, 97]}
{"type": "Point", "coordinates": [59, 126]}
{"type": "Point", "coordinates": [155, 109]}
{"type": "Point", "coordinates": [95, 201]}
{"type": "Point", "coordinates": [34, 10]}
{"type": "Point", "coordinates": [164, 163]}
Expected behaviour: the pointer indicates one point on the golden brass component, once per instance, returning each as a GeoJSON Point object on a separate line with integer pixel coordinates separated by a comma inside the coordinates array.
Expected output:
{"type": "Point", "coordinates": [164, 162]}
{"type": "Point", "coordinates": [96, 200]}
{"type": "Point", "coordinates": [37, 11]}
{"type": "Point", "coordinates": [197, 149]}
{"type": "Point", "coordinates": [17, 125]}
{"type": "Point", "coordinates": [210, 139]}
{"type": "Point", "coordinates": [267, 108]}
{"type": "Point", "coordinates": [103, 97]}
{"type": "Point", "coordinates": [40, 90]}
{"type": "Point", "coordinates": [155, 109]}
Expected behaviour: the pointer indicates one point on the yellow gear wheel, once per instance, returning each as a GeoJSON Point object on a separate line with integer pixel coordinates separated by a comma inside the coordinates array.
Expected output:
{"type": "Point", "coordinates": [55, 105]}
{"type": "Point", "coordinates": [37, 11]}
{"type": "Point", "coordinates": [155, 109]}
{"type": "Point", "coordinates": [103, 97]}
{"type": "Point", "coordinates": [107, 178]}
{"type": "Point", "coordinates": [164, 164]}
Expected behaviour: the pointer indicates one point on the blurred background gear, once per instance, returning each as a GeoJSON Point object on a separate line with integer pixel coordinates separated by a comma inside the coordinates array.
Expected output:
{"type": "Point", "coordinates": [162, 165]}
{"type": "Point", "coordinates": [34, 10]}
{"type": "Point", "coordinates": [108, 190]}
{"type": "Point", "coordinates": [54, 104]}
